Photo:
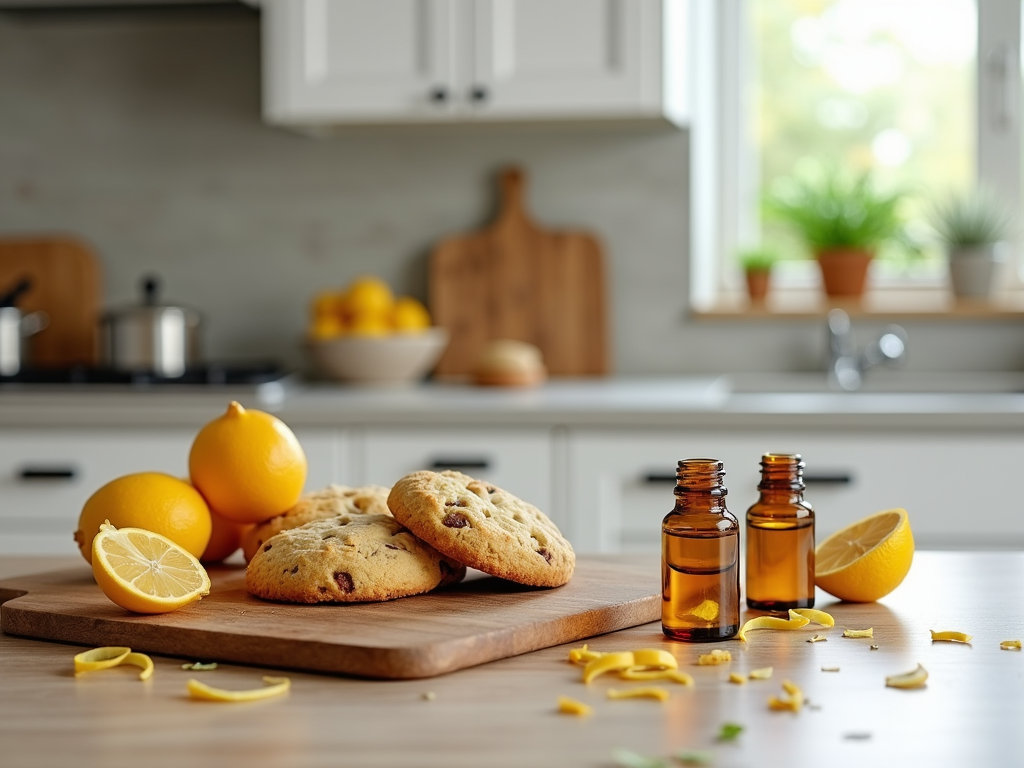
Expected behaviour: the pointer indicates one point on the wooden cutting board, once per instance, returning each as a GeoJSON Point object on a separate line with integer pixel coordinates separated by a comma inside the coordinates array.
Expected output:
{"type": "Point", "coordinates": [480, 620]}
{"type": "Point", "coordinates": [516, 280]}
{"type": "Point", "coordinates": [66, 286]}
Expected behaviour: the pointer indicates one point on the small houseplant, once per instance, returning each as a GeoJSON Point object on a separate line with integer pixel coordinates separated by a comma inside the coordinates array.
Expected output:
{"type": "Point", "coordinates": [843, 220]}
{"type": "Point", "coordinates": [757, 268]}
{"type": "Point", "coordinates": [972, 227]}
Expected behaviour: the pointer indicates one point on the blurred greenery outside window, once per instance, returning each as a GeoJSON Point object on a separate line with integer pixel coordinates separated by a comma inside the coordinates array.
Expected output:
{"type": "Point", "coordinates": [896, 88]}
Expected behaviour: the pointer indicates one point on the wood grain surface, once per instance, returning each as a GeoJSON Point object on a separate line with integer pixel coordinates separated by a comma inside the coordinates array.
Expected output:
{"type": "Point", "coordinates": [505, 714]}
{"type": "Point", "coordinates": [66, 286]}
{"type": "Point", "coordinates": [517, 280]}
{"type": "Point", "coordinates": [480, 620]}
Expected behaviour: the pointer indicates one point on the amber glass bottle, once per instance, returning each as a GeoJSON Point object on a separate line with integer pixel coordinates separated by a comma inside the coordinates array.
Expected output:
{"type": "Point", "coordinates": [780, 538]}
{"type": "Point", "coordinates": [700, 549]}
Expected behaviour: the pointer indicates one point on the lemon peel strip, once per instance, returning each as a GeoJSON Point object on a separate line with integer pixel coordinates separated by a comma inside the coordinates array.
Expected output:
{"type": "Point", "coordinates": [714, 658]}
{"type": "Point", "coordinates": [949, 636]}
{"type": "Point", "coordinates": [737, 678]}
{"type": "Point", "coordinates": [869, 632]}
{"type": "Point", "coordinates": [608, 662]}
{"type": "Point", "coordinates": [914, 679]}
{"type": "Point", "coordinates": [792, 703]}
{"type": "Point", "coordinates": [772, 622]}
{"type": "Point", "coordinates": [654, 658]}
{"type": "Point", "coordinates": [761, 674]}
{"type": "Point", "coordinates": [583, 655]}
{"type": "Point", "coordinates": [649, 692]}
{"type": "Point", "coordinates": [638, 673]}
{"type": "Point", "coordinates": [275, 687]}
{"type": "Point", "coordinates": [104, 657]}
{"type": "Point", "coordinates": [568, 706]}
{"type": "Point", "coordinates": [1010, 645]}
{"type": "Point", "coordinates": [814, 616]}
{"type": "Point", "coordinates": [142, 661]}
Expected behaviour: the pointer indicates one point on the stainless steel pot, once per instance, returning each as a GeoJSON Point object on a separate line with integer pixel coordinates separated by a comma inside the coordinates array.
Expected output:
{"type": "Point", "coordinates": [151, 337]}
{"type": "Point", "coordinates": [15, 330]}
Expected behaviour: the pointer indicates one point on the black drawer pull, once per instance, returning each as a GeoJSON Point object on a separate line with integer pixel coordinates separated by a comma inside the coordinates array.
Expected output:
{"type": "Point", "coordinates": [455, 462]}
{"type": "Point", "coordinates": [48, 473]}
{"type": "Point", "coordinates": [835, 478]}
{"type": "Point", "coordinates": [655, 478]}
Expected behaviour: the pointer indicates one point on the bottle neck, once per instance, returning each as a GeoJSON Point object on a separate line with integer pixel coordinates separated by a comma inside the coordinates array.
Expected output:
{"type": "Point", "coordinates": [699, 486]}
{"type": "Point", "coordinates": [782, 474]}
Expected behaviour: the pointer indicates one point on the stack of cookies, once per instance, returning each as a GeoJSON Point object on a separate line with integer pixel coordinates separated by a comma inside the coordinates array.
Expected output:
{"type": "Point", "coordinates": [371, 543]}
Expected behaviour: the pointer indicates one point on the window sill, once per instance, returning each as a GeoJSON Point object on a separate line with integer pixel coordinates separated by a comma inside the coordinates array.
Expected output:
{"type": "Point", "coordinates": [896, 304]}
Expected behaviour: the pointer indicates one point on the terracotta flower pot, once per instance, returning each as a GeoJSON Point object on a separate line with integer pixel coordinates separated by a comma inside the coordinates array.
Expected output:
{"type": "Point", "coordinates": [757, 284]}
{"type": "Point", "coordinates": [844, 271]}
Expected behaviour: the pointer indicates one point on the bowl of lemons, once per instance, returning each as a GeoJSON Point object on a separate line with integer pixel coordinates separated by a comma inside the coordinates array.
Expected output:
{"type": "Point", "coordinates": [364, 334]}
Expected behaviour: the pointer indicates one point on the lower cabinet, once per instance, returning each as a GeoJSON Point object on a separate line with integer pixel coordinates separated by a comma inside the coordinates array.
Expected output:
{"type": "Point", "coordinates": [47, 475]}
{"type": "Point", "coordinates": [960, 489]}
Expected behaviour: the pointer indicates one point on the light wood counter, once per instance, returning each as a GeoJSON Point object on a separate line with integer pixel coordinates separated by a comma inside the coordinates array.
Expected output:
{"type": "Point", "coordinates": [503, 713]}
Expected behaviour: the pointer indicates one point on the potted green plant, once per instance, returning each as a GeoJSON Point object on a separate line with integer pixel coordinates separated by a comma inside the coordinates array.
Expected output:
{"type": "Point", "coordinates": [757, 268]}
{"type": "Point", "coordinates": [972, 227]}
{"type": "Point", "coordinates": [843, 219]}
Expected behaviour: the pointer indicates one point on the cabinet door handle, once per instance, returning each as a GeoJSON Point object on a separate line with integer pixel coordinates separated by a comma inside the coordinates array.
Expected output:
{"type": "Point", "coordinates": [654, 478]}
{"type": "Point", "coordinates": [829, 478]}
{"type": "Point", "coordinates": [478, 93]}
{"type": "Point", "coordinates": [439, 95]}
{"type": "Point", "coordinates": [47, 473]}
{"type": "Point", "coordinates": [455, 462]}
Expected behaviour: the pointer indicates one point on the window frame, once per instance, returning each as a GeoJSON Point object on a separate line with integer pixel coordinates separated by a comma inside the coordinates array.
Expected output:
{"type": "Point", "coordinates": [724, 186]}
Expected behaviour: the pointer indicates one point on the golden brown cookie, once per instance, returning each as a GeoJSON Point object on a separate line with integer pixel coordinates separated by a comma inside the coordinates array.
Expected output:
{"type": "Point", "coordinates": [483, 526]}
{"type": "Point", "coordinates": [331, 501]}
{"type": "Point", "coordinates": [347, 559]}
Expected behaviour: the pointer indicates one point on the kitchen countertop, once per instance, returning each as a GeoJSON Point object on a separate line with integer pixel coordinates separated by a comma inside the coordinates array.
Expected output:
{"type": "Point", "coordinates": [926, 401]}
{"type": "Point", "coordinates": [504, 713]}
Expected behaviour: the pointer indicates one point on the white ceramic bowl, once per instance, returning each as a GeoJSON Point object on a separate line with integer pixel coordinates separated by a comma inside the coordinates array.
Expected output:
{"type": "Point", "coordinates": [402, 358]}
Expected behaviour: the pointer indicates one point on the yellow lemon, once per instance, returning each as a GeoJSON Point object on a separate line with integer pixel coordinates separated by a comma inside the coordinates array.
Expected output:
{"type": "Point", "coordinates": [326, 327]}
{"type": "Point", "coordinates": [368, 295]}
{"type": "Point", "coordinates": [370, 325]}
{"type": "Point", "coordinates": [145, 572]}
{"type": "Point", "coordinates": [867, 560]}
{"type": "Point", "coordinates": [410, 315]}
{"type": "Point", "coordinates": [152, 500]}
{"type": "Point", "coordinates": [248, 465]}
{"type": "Point", "coordinates": [225, 539]}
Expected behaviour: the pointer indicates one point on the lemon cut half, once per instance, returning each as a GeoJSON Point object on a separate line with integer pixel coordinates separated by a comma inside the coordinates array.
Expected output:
{"type": "Point", "coordinates": [867, 560]}
{"type": "Point", "coordinates": [145, 572]}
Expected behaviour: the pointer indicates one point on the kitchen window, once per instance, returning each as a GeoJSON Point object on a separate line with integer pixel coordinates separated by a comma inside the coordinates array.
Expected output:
{"type": "Point", "coordinates": [923, 93]}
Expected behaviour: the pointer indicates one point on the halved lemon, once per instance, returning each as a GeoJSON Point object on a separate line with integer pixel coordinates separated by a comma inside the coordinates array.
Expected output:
{"type": "Point", "coordinates": [867, 560]}
{"type": "Point", "coordinates": [145, 572]}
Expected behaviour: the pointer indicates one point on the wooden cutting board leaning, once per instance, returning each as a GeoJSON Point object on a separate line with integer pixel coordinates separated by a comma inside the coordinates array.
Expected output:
{"type": "Point", "coordinates": [482, 619]}
{"type": "Point", "coordinates": [66, 286]}
{"type": "Point", "coordinates": [517, 280]}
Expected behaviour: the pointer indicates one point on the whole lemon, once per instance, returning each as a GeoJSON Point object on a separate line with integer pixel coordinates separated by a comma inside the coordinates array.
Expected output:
{"type": "Point", "coordinates": [225, 539]}
{"type": "Point", "coordinates": [154, 501]}
{"type": "Point", "coordinates": [248, 465]}
{"type": "Point", "coordinates": [410, 315]}
{"type": "Point", "coordinates": [368, 295]}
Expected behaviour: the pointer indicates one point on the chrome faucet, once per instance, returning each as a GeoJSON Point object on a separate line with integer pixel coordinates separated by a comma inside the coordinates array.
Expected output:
{"type": "Point", "coordinates": [846, 367]}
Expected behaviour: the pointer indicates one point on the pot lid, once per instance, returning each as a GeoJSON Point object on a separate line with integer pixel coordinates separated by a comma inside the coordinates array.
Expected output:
{"type": "Point", "coordinates": [150, 305]}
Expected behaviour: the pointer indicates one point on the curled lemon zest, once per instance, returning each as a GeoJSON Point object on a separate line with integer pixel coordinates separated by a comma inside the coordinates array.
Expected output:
{"type": "Point", "coordinates": [275, 686]}
{"type": "Point", "coordinates": [707, 610]}
{"type": "Point", "coordinates": [583, 655]}
{"type": "Point", "coordinates": [815, 617]}
{"type": "Point", "coordinates": [792, 702]}
{"type": "Point", "coordinates": [761, 674]}
{"type": "Point", "coordinates": [570, 706]}
{"type": "Point", "coordinates": [913, 679]}
{"type": "Point", "coordinates": [772, 622]}
{"type": "Point", "coordinates": [714, 658]}
{"type": "Point", "coordinates": [654, 658]}
{"type": "Point", "coordinates": [949, 636]}
{"type": "Point", "coordinates": [869, 632]}
{"type": "Point", "coordinates": [736, 677]}
{"type": "Point", "coordinates": [1010, 645]}
{"type": "Point", "coordinates": [104, 657]}
{"type": "Point", "coordinates": [817, 639]}
{"type": "Point", "coordinates": [650, 692]}
{"type": "Point", "coordinates": [830, 669]}
{"type": "Point", "coordinates": [142, 661]}
{"type": "Point", "coordinates": [608, 662]}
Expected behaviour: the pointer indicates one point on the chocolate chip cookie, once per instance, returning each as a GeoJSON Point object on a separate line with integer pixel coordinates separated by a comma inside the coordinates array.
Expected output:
{"type": "Point", "coordinates": [347, 559]}
{"type": "Point", "coordinates": [331, 501]}
{"type": "Point", "coordinates": [483, 526]}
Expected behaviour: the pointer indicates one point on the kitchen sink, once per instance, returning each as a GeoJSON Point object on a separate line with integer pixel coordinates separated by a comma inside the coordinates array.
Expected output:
{"type": "Point", "coordinates": [882, 381]}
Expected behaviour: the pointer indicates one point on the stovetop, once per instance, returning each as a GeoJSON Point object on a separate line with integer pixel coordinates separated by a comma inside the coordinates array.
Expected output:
{"type": "Point", "coordinates": [266, 381]}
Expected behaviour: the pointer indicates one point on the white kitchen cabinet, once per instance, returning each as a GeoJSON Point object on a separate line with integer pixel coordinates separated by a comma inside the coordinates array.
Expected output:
{"type": "Point", "coordinates": [519, 460]}
{"type": "Point", "coordinates": [961, 490]}
{"type": "Point", "coordinates": [47, 475]}
{"type": "Point", "coordinates": [333, 62]}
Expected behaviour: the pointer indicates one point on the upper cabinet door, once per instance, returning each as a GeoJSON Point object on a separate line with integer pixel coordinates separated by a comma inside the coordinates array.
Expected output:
{"type": "Point", "coordinates": [357, 60]}
{"type": "Point", "coordinates": [565, 58]}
